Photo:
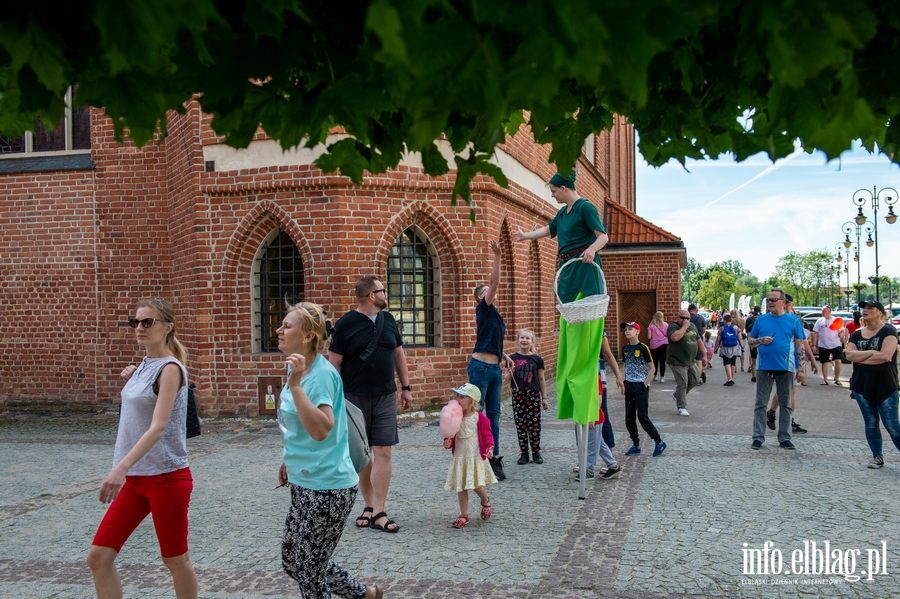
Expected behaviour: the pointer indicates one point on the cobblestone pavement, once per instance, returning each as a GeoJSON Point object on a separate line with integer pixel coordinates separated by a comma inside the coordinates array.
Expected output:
{"type": "Point", "coordinates": [681, 525]}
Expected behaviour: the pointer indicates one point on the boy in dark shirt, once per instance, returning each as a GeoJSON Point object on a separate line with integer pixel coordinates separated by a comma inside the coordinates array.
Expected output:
{"type": "Point", "coordinates": [639, 371]}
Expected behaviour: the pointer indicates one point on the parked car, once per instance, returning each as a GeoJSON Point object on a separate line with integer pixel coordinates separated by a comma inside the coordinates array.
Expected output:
{"type": "Point", "coordinates": [809, 319]}
{"type": "Point", "coordinates": [895, 315]}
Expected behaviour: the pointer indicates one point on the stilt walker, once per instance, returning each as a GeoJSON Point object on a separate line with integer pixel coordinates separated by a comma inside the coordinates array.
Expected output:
{"type": "Point", "coordinates": [581, 290]}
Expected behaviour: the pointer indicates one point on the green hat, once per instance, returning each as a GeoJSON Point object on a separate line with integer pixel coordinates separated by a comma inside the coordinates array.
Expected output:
{"type": "Point", "coordinates": [561, 181]}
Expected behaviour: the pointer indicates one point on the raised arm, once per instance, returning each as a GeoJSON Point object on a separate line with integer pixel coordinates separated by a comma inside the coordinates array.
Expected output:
{"type": "Point", "coordinates": [494, 282]}
{"type": "Point", "coordinates": [532, 235]}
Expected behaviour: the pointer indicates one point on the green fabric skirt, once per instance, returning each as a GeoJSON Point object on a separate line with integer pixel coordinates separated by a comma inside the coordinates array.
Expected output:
{"type": "Point", "coordinates": [577, 367]}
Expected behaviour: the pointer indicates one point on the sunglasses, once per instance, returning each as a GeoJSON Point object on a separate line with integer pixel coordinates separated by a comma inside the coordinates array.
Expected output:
{"type": "Point", "coordinates": [684, 318]}
{"type": "Point", "coordinates": [145, 323]}
{"type": "Point", "coordinates": [382, 290]}
{"type": "Point", "coordinates": [774, 299]}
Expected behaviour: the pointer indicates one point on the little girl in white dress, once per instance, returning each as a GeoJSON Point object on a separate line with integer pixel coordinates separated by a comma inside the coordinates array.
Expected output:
{"type": "Point", "coordinates": [472, 446]}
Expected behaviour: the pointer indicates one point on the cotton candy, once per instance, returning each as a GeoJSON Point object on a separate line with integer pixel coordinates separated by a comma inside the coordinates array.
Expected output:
{"type": "Point", "coordinates": [451, 419]}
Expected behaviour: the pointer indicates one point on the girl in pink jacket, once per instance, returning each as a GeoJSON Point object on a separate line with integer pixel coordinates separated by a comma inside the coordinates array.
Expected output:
{"type": "Point", "coordinates": [472, 446]}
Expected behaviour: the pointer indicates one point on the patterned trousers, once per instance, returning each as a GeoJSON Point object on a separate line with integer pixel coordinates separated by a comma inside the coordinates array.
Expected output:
{"type": "Point", "coordinates": [312, 530]}
{"type": "Point", "coordinates": [526, 405]}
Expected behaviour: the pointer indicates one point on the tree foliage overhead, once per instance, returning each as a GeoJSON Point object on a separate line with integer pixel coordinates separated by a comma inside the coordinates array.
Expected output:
{"type": "Point", "coordinates": [399, 74]}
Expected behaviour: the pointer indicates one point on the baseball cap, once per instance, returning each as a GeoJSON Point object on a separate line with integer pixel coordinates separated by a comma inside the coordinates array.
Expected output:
{"type": "Point", "coordinates": [469, 390]}
{"type": "Point", "coordinates": [631, 324]}
{"type": "Point", "coordinates": [789, 298]}
{"type": "Point", "coordinates": [877, 305]}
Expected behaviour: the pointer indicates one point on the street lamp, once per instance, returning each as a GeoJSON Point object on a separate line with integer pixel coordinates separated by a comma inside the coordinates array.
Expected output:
{"type": "Point", "coordinates": [839, 247]}
{"type": "Point", "coordinates": [874, 196]}
{"type": "Point", "coordinates": [848, 228]}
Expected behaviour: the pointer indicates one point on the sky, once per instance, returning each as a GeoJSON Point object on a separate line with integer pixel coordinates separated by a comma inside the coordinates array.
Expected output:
{"type": "Point", "coordinates": [756, 211]}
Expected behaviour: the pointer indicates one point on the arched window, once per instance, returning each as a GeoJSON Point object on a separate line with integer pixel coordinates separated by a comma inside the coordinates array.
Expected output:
{"type": "Point", "coordinates": [278, 276]}
{"type": "Point", "coordinates": [413, 285]}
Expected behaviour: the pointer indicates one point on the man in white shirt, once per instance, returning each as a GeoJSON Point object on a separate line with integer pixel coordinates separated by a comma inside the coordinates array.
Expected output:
{"type": "Point", "coordinates": [830, 343]}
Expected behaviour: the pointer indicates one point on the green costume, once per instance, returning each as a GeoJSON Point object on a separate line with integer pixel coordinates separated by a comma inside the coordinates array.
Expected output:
{"type": "Point", "coordinates": [577, 379]}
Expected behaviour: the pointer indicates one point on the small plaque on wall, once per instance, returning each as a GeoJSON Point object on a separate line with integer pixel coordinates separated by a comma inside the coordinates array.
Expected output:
{"type": "Point", "coordinates": [269, 391]}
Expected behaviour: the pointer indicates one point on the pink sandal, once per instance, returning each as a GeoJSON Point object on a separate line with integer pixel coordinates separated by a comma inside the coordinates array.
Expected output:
{"type": "Point", "coordinates": [461, 521]}
{"type": "Point", "coordinates": [486, 511]}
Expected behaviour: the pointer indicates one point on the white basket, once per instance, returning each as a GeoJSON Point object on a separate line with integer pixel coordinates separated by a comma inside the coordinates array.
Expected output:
{"type": "Point", "coordinates": [586, 309]}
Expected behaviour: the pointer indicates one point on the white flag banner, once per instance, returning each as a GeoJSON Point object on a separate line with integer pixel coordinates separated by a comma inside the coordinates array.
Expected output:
{"type": "Point", "coordinates": [731, 302]}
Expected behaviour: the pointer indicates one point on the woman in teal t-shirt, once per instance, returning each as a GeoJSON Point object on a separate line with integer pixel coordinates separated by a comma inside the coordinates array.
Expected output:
{"type": "Point", "coordinates": [317, 464]}
{"type": "Point", "coordinates": [580, 234]}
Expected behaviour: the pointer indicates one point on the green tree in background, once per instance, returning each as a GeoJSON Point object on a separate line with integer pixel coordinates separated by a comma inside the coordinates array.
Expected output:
{"type": "Point", "coordinates": [716, 290]}
{"type": "Point", "coordinates": [806, 276]}
{"type": "Point", "coordinates": [696, 78]}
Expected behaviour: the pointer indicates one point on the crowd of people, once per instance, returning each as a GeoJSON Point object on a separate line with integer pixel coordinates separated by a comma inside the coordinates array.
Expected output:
{"type": "Point", "coordinates": [365, 359]}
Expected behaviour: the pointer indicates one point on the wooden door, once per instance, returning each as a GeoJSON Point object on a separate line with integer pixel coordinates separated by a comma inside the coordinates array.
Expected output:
{"type": "Point", "coordinates": [637, 306]}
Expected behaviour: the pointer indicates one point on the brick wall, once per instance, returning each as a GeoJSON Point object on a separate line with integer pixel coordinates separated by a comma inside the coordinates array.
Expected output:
{"type": "Point", "coordinates": [78, 249]}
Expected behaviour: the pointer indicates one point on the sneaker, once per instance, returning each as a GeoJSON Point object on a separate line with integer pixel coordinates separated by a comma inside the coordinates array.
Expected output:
{"type": "Point", "coordinates": [660, 447]}
{"type": "Point", "coordinates": [612, 472]}
{"type": "Point", "coordinates": [729, 383]}
{"type": "Point", "coordinates": [702, 377]}
{"type": "Point", "coordinates": [497, 467]}
{"type": "Point", "coordinates": [877, 462]}
{"type": "Point", "coordinates": [588, 475]}
{"type": "Point", "coordinates": [683, 412]}
{"type": "Point", "coordinates": [537, 458]}
{"type": "Point", "coordinates": [752, 379]}
{"type": "Point", "coordinates": [770, 419]}
{"type": "Point", "coordinates": [756, 444]}
{"type": "Point", "coordinates": [633, 450]}
{"type": "Point", "coordinates": [662, 380]}
{"type": "Point", "coordinates": [797, 429]}
{"type": "Point", "coordinates": [523, 459]}
{"type": "Point", "coordinates": [787, 445]}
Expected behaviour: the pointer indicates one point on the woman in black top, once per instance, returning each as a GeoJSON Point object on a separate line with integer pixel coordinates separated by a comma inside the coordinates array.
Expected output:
{"type": "Point", "coordinates": [873, 351]}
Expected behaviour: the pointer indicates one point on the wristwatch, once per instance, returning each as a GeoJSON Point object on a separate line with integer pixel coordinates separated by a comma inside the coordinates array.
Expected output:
{"type": "Point", "coordinates": [406, 388]}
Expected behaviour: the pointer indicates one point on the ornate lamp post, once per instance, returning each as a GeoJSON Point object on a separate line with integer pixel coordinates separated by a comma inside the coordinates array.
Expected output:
{"type": "Point", "coordinates": [839, 247]}
{"type": "Point", "coordinates": [874, 196]}
{"type": "Point", "coordinates": [848, 228]}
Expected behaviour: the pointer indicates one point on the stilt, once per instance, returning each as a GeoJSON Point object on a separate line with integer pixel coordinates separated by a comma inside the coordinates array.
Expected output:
{"type": "Point", "coordinates": [581, 433]}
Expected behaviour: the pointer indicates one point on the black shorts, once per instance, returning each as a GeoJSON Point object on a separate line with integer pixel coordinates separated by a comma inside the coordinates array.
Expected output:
{"type": "Point", "coordinates": [754, 351]}
{"type": "Point", "coordinates": [827, 355]}
{"type": "Point", "coordinates": [729, 361]}
{"type": "Point", "coordinates": [380, 413]}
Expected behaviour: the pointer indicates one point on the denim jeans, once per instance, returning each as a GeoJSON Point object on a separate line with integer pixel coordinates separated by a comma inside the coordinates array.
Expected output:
{"type": "Point", "coordinates": [783, 384]}
{"type": "Point", "coordinates": [886, 413]}
{"type": "Point", "coordinates": [598, 447]}
{"type": "Point", "coordinates": [489, 380]}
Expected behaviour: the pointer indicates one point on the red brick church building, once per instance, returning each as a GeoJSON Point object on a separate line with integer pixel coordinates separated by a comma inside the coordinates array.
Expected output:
{"type": "Point", "coordinates": [89, 226]}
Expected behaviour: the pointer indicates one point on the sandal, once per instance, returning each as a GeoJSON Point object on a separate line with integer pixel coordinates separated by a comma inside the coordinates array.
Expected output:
{"type": "Point", "coordinates": [367, 519]}
{"type": "Point", "coordinates": [486, 510]}
{"type": "Point", "coordinates": [839, 383]}
{"type": "Point", "coordinates": [384, 527]}
{"type": "Point", "coordinates": [825, 384]}
{"type": "Point", "coordinates": [461, 521]}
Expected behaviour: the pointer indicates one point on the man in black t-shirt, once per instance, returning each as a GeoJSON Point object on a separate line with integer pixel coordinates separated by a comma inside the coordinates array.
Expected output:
{"type": "Point", "coordinates": [369, 385]}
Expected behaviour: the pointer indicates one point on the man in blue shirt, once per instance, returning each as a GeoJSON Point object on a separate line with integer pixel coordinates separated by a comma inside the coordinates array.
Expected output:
{"type": "Point", "coordinates": [773, 334]}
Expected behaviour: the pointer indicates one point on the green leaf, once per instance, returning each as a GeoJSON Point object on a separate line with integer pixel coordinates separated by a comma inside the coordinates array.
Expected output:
{"type": "Point", "coordinates": [347, 157]}
{"type": "Point", "coordinates": [384, 20]}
